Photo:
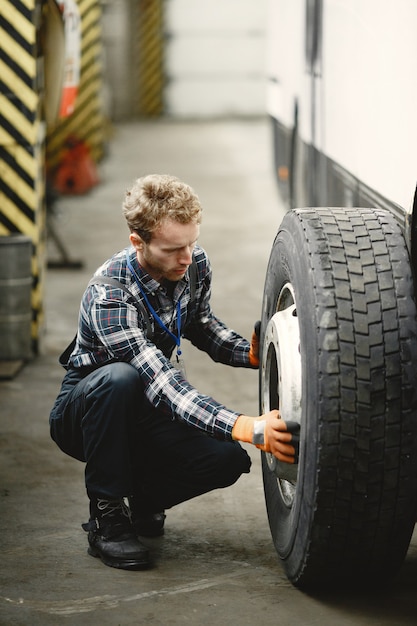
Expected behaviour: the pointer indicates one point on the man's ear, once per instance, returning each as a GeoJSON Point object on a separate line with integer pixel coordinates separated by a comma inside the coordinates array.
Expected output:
{"type": "Point", "coordinates": [136, 241]}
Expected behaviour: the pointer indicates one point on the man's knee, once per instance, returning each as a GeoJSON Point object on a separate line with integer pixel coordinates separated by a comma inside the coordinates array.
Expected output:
{"type": "Point", "coordinates": [240, 461]}
{"type": "Point", "coordinates": [113, 389]}
{"type": "Point", "coordinates": [111, 398]}
{"type": "Point", "coordinates": [231, 462]}
{"type": "Point", "coordinates": [117, 378]}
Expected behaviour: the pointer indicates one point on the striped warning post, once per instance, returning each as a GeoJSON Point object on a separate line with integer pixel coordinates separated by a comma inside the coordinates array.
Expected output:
{"type": "Point", "coordinates": [22, 137]}
{"type": "Point", "coordinates": [150, 58]}
{"type": "Point", "coordinates": [87, 123]}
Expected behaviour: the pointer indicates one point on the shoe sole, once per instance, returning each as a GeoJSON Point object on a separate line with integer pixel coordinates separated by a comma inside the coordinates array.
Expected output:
{"type": "Point", "coordinates": [151, 533]}
{"type": "Point", "coordinates": [132, 565]}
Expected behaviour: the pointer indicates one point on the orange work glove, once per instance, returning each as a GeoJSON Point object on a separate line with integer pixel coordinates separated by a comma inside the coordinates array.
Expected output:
{"type": "Point", "coordinates": [269, 433]}
{"type": "Point", "coordinates": [254, 346]}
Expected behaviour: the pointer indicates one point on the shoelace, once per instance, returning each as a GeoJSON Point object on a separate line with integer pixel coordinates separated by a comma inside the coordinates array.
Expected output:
{"type": "Point", "coordinates": [110, 507]}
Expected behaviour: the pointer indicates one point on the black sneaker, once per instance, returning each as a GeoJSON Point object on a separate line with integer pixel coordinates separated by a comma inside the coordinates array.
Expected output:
{"type": "Point", "coordinates": [146, 524]}
{"type": "Point", "coordinates": [112, 538]}
{"type": "Point", "coordinates": [150, 525]}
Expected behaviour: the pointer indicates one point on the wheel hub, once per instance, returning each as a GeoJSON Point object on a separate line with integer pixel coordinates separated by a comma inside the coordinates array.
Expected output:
{"type": "Point", "coordinates": [282, 379]}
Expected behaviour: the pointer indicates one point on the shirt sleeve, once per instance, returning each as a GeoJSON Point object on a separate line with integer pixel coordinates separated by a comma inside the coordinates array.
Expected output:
{"type": "Point", "coordinates": [110, 325]}
{"type": "Point", "coordinates": [208, 333]}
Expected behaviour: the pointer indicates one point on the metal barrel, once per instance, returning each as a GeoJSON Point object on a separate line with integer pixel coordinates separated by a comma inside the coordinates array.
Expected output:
{"type": "Point", "coordinates": [15, 297]}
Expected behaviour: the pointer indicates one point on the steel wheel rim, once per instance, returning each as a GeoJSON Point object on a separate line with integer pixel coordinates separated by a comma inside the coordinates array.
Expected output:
{"type": "Point", "coordinates": [282, 380]}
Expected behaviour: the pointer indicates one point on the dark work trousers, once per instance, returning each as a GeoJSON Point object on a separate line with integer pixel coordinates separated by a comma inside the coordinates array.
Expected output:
{"type": "Point", "coordinates": [130, 448]}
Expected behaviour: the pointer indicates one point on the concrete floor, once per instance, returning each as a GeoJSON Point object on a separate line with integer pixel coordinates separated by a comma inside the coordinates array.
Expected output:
{"type": "Point", "coordinates": [216, 563]}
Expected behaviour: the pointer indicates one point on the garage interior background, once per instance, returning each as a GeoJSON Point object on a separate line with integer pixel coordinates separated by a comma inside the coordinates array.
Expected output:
{"type": "Point", "coordinates": [213, 56]}
{"type": "Point", "coordinates": [138, 59]}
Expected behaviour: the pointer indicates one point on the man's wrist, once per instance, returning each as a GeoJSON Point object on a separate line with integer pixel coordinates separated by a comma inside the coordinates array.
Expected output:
{"type": "Point", "coordinates": [243, 429]}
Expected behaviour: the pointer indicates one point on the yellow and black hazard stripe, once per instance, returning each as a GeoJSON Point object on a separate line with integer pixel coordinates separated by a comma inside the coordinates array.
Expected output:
{"type": "Point", "coordinates": [87, 123]}
{"type": "Point", "coordinates": [19, 118]}
{"type": "Point", "coordinates": [150, 55]}
{"type": "Point", "coordinates": [21, 139]}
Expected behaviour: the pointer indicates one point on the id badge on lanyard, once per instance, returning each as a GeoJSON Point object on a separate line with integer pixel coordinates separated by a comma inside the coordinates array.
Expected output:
{"type": "Point", "coordinates": [177, 361]}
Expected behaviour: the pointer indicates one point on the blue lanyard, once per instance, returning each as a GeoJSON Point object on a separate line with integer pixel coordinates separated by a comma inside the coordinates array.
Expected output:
{"type": "Point", "coordinates": [176, 338]}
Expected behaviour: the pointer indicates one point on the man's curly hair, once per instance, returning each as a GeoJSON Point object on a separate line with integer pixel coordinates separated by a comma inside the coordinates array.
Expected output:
{"type": "Point", "coordinates": [157, 197]}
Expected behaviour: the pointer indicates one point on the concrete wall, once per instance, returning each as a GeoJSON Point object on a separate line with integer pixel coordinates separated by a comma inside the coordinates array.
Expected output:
{"type": "Point", "coordinates": [214, 57]}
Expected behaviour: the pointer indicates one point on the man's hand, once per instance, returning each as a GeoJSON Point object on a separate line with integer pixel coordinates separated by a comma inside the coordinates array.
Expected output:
{"type": "Point", "coordinates": [254, 345]}
{"type": "Point", "coordinates": [271, 434]}
{"type": "Point", "coordinates": [282, 438]}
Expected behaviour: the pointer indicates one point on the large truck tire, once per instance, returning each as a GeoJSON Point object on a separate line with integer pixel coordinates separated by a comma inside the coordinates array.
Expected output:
{"type": "Point", "coordinates": [339, 355]}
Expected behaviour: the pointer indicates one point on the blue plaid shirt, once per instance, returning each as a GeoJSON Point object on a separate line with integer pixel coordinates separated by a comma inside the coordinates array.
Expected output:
{"type": "Point", "coordinates": [110, 329]}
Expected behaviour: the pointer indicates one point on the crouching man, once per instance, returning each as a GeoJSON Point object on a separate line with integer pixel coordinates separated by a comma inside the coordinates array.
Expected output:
{"type": "Point", "coordinates": [149, 439]}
